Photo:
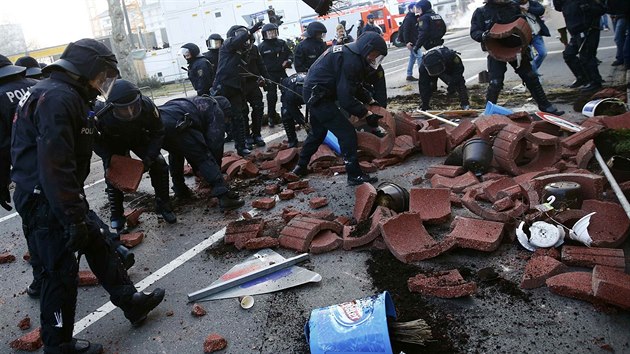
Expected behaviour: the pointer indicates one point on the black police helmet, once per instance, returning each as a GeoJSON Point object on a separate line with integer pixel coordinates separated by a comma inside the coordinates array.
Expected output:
{"type": "Point", "coordinates": [314, 28]}
{"type": "Point", "coordinates": [214, 41]}
{"type": "Point", "coordinates": [8, 69]}
{"type": "Point", "coordinates": [91, 61]}
{"type": "Point", "coordinates": [32, 66]}
{"type": "Point", "coordinates": [232, 31]}
{"type": "Point", "coordinates": [268, 29]}
{"type": "Point", "coordinates": [367, 42]}
{"type": "Point", "coordinates": [126, 100]}
{"type": "Point", "coordinates": [193, 49]}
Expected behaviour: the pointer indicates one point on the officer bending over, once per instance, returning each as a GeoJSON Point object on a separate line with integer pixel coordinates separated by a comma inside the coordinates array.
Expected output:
{"type": "Point", "coordinates": [446, 64]}
{"type": "Point", "coordinates": [194, 131]}
{"type": "Point", "coordinates": [51, 151]}
{"type": "Point", "coordinates": [338, 75]}
{"type": "Point", "coordinates": [292, 102]}
{"type": "Point", "coordinates": [131, 122]}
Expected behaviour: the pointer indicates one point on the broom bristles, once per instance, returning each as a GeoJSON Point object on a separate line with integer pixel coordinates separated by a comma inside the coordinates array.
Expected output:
{"type": "Point", "coordinates": [413, 332]}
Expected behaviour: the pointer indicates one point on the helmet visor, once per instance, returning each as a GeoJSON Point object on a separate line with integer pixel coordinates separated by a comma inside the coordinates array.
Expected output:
{"type": "Point", "coordinates": [185, 53]}
{"type": "Point", "coordinates": [128, 111]}
{"type": "Point", "coordinates": [375, 62]}
{"type": "Point", "coordinates": [271, 34]}
{"type": "Point", "coordinates": [104, 81]}
{"type": "Point", "coordinates": [214, 43]}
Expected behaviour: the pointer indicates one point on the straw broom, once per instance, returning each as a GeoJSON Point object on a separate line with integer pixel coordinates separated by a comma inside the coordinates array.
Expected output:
{"type": "Point", "coordinates": [413, 332]}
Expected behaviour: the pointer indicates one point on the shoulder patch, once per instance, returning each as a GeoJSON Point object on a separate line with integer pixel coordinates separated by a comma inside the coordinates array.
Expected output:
{"type": "Point", "coordinates": [200, 72]}
{"type": "Point", "coordinates": [337, 48]}
{"type": "Point", "coordinates": [420, 23]}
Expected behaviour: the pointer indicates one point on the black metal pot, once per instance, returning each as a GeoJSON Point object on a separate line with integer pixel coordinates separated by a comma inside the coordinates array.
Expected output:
{"type": "Point", "coordinates": [392, 196]}
{"type": "Point", "coordinates": [568, 194]}
{"type": "Point", "coordinates": [477, 156]}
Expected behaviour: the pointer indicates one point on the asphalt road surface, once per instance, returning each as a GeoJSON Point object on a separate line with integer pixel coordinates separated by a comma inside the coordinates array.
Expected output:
{"type": "Point", "coordinates": [187, 256]}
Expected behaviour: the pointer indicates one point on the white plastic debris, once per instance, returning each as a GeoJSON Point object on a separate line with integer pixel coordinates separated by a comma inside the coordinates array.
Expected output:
{"type": "Point", "coordinates": [522, 238]}
{"type": "Point", "coordinates": [579, 232]}
{"type": "Point", "coordinates": [543, 235]}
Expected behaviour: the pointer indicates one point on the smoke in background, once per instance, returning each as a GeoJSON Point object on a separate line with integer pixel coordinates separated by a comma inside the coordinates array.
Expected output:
{"type": "Point", "coordinates": [463, 20]}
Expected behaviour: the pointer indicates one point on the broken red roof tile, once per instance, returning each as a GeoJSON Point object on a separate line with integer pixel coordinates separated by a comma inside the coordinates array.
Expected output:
{"type": "Point", "coordinates": [286, 156]}
{"type": "Point", "coordinates": [432, 141]}
{"type": "Point", "coordinates": [444, 170]}
{"type": "Point", "coordinates": [612, 286]}
{"type": "Point", "coordinates": [585, 154]}
{"type": "Point", "coordinates": [461, 132]}
{"type": "Point", "coordinates": [214, 342]}
{"type": "Point", "coordinates": [227, 161]}
{"type": "Point", "coordinates": [361, 235]}
{"type": "Point", "coordinates": [575, 140]}
{"type": "Point", "coordinates": [447, 284]}
{"type": "Point", "coordinates": [609, 226]}
{"type": "Point", "coordinates": [325, 241]}
{"type": "Point", "coordinates": [456, 184]}
{"type": "Point", "coordinates": [481, 235]}
{"type": "Point", "coordinates": [365, 195]}
{"type": "Point", "coordinates": [577, 285]}
{"type": "Point", "coordinates": [489, 125]}
{"type": "Point", "coordinates": [433, 204]}
{"type": "Point", "coordinates": [375, 146]}
{"type": "Point", "coordinates": [238, 232]}
{"type": "Point", "coordinates": [131, 240]}
{"type": "Point", "coordinates": [31, 341]}
{"type": "Point", "coordinates": [403, 147]}
{"type": "Point", "coordinates": [590, 256]}
{"type": "Point", "coordinates": [300, 231]}
{"type": "Point", "coordinates": [264, 203]}
{"type": "Point", "coordinates": [539, 269]}
{"type": "Point", "coordinates": [261, 242]}
{"type": "Point", "coordinates": [124, 173]}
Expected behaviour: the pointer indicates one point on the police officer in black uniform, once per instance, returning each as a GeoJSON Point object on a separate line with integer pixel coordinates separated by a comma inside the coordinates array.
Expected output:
{"type": "Point", "coordinates": [446, 64]}
{"type": "Point", "coordinates": [338, 75]}
{"type": "Point", "coordinates": [194, 131]}
{"type": "Point", "coordinates": [213, 43]}
{"type": "Point", "coordinates": [582, 20]}
{"type": "Point", "coordinates": [506, 11]}
{"type": "Point", "coordinates": [200, 72]}
{"type": "Point", "coordinates": [254, 76]}
{"type": "Point", "coordinates": [33, 70]}
{"type": "Point", "coordinates": [13, 87]}
{"type": "Point", "coordinates": [228, 80]}
{"type": "Point", "coordinates": [292, 102]}
{"type": "Point", "coordinates": [431, 29]}
{"type": "Point", "coordinates": [277, 57]}
{"type": "Point", "coordinates": [51, 148]}
{"type": "Point", "coordinates": [308, 50]}
{"type": "Point", "coordinates": [130, 122]}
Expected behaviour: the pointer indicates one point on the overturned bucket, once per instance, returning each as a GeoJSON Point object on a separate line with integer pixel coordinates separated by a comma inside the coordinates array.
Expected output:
{"type": "Point", "coordinates": [477, 156]}
{"type": "Point", "coordinates": [492, 108]}
{"type": "Point", "coordinates": [358, 326]}
{"type": "Point", "coordinates": [392, 196]}
{"type": "Point", "coordinates": [332, 142]}
{"type": "Point", "coordinates": [604, 106]}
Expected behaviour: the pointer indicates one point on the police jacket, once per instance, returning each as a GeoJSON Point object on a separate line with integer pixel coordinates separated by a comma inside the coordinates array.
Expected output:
{"type": "Point", "coordinates": [409, 31]}
{"type": "Point", "coordinates": [375, 84]}
{"type": "Point", "coordinates": [12, 89]}
{"type": "Point", "coordinates": [206, 114]}
{"type": "Point", "coordinates": [306, 52]}
{"type": "Point", "coordinates": [201, 75]}
{"type": "Point", "coordinates": [231, 62]}
{"type": "Point", "coordinates": [274, 52]}
{"type": "Point", "coordinates": [292, 89]}
{"type": "Point", "coordinates": [537, 9]}
{"type": "Point", "coordinates": [146, 129]}
{"type": "Point", "coordinates": [213, 57]}
{"type": "Point", "coordinates": [431, 29]}
{"type": "Point", "coordinates": [339, 75]}
{"type": "Point", "coordinates": [255, 67]}
{"type": "Point", "coordinates": [618, 7]}
{"type": "Point", "coordinates": [580, 15]}
{"type": "Point", "coordinates": [51, 145]}
{"type": "Point", "coordinates": [485, 16]}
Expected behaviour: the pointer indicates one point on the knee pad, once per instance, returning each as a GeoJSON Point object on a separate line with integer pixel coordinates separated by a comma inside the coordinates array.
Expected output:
{"type": "Point", "coordinates": [495, 85]}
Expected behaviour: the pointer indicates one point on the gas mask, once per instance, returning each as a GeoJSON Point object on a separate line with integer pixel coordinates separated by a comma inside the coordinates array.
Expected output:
{"type": "Point", "coordinates": [375, 62]}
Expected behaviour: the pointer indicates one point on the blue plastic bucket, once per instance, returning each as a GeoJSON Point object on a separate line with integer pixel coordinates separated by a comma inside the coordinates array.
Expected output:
{"type": "Point", "coordinates": [359, 326]}
{"type": "Point", "coordinates": [332, 142]}
{"type": "Point", "coordinates": [492, 108]}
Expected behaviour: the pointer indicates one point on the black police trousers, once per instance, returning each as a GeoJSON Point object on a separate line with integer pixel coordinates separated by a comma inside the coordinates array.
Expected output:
{"type": "Point", "coordinates": [325, 116]}
{"type": "Point", "coordinates": [453, 76]}
{"type": "Point", "coordinates": [191, 145]}
{"type": "Point", "coordinates": [236, 98]}
{"type": "Point", "coordinates": [496, 73]}
{"type": "Point", "coordinates": [254, 97]}
{"type": "Point", "coordinates": [580, 56]}
{"type": "Point", "coordinates": [272, 91]}
{"type": "Point", "coordinates": [60, 267]}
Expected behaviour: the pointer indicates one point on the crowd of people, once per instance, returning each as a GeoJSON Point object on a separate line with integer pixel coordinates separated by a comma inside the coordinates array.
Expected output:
{"type": "Point", "coordinates": [51, 122]}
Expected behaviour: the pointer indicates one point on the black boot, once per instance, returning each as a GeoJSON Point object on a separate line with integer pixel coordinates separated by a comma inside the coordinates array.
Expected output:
{"type": "Point", "coordinates": [494, 89]}
{"type": "Point", "coordinates": [230, 201]}
{"type": "Point", "coordinates": [35, 289]}
{"type": "Point", "coordinates": [289, 128]}
{"type": "Point", "coordinates": [239, 136]}
{"type": "Point", "coordinates": [300, 170]}
{"type": "Point", "coordinates": [538, 93]}
{"type": "Point", "coordinates": [80, 346]}
{"type": "Point", "coordinates": [355, 175]}
{"type": "Point", "coordinates": [159, 180]}
{"type": "Point", "coordinates": [256, 127]}
{"type": "Point", "coordinates": [117, 217]}
{"type": "Point", "coordinates": [141, 304]}
{"type": "Point", "coordinates": [360, 179]}
{"type": "Point", "coordinates": [579, 82]}
{"type": "Point", "coordinates": [182, 191]}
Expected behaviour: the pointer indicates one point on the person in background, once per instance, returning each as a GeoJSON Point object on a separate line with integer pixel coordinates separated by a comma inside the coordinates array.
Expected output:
{"type": "Point", "coordinates": [533, 11]}
{"type": "Point", "coordinates": [51, 152]}
{"type": "Point", "coordinates": [313, 45]}
{"type": "Point", "coordinates": [33, 70]}
{"type": "Point", "coordinates": [371, 26]}
{"type": "Point", "coordinates": [200, 72]}
{"type": "Point", "coordinates": [446, 64]}
{"type": "Point", "coordinates": [342, 36]}
{"type": "Point", "coordinates": [254, 77]}
{"type": "Point", "coordinates": [213, 43]}
{"type": "Point", "coordinates": [277, 57]}
{"type": "Point", "coordinates": [408, 34]}
{"type": "Point", "coordinates": [619, 10]}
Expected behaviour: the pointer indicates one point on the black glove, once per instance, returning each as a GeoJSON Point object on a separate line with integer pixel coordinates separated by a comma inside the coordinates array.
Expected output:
{"type": "Point", "coordinates": [78, 236]}
{"type": "Point", "coordinates": [484, 36]}
{"type": "Point", "coordinates": [256, 27]}
{"type": "Point", "coordinates": [147, 162]}
{"type": "Point", "coordinates": [372, 120]}
{"type": "Point", "coordinates": [5, 198]}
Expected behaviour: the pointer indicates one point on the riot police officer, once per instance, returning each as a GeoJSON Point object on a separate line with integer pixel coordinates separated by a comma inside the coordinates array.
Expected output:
{"type": "Point", "coordinates": [13, 87]}
{"type": "Point", "coordinates": [582, 19]}
{"type": "Point", "coordinates": [338, 75]}
{"type": "Point", "coordinates": [292, 102]}
{"type": "Point", "coordinates": [431, 27]}
{"type": "Point", "coordinates": [277, 57]}
{"type": "Point", "coordinates": [506, 11]}
{"type": "Point", "coordinates": [51, 151]}
{"type": "Point", "coordinates": [254, 76]}
{"type": "Point", "coordinates": [228, 80]}
{"type": "Point", "coordinates": [200, 72]}
{"type": "Point", "coordinates": [33, 70]}
{"type": "Point", "coordinates": [130, 122]}
{"type": "Point", "coordinates": [446, 64]}
{"type": "Point", "coordinates": [370, 26]}
{"type": "Point", "coordinates": [313, 45]}
{"type": "Point", "coordinates": [194, 131]}
{"type": "Point", "coordinates": [213, 43]}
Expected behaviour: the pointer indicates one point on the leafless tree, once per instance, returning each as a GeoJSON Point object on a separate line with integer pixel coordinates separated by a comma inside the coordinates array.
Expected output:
{"type": "Point", "coordinates": [121, 43]}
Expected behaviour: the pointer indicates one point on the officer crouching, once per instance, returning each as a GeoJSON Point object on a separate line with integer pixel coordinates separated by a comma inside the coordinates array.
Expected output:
{"type": "Point", "coordinates": [445, 64]}
{"type": "Point", "coordinates": [338, 75]}
{"type": "Point", "coordinates": [51, 151]}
